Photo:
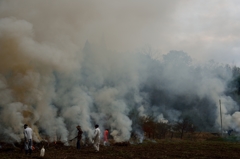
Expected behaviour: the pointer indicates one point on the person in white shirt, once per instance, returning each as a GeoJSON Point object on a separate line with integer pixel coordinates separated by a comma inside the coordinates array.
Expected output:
{"type": "Point", "coordinates": [28, 139]}
{"type": "Point", "coordinates": [96, 138]}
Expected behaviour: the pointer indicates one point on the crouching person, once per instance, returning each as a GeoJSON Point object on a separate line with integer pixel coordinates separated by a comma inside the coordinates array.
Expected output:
{"type": "Point", "coordinates": [28, 139]}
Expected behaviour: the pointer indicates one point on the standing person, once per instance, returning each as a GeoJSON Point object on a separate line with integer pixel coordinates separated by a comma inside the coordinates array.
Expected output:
{"type": "Point", "coordinates": [79, 137]}
{"type": "Point", "coordinates": [96, 138]}
{"type": "Point", "coordinates": [28, 139]}
{"type": "Point", "coordinates": [105, 137]}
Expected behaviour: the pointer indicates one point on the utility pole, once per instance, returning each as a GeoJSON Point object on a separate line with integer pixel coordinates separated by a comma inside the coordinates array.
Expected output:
{"type": "Point", "coordinates": [221, 116]}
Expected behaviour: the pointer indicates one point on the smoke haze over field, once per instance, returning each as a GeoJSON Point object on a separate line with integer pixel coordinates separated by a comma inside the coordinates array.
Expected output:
{"type": "Point", "coordinates": [86, 62]}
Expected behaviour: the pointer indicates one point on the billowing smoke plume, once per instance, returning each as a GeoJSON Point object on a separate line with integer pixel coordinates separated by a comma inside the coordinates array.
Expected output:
{"type": "Point", "coordinates": [53, 78]}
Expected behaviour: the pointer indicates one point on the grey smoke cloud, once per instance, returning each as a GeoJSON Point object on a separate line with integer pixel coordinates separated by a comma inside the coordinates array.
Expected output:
{"type": "Point", "coordinates": [68, 63]}
{"type": "Point", "coordinates": [204, 29]}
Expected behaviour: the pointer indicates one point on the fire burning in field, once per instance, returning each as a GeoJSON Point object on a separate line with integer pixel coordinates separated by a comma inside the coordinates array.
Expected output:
{"type": "Point", "coordinates": [54, 75]}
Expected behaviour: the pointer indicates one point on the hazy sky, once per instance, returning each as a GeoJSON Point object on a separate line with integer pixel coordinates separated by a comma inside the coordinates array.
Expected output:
{"type": "Point", "coordinates": [202, 28]}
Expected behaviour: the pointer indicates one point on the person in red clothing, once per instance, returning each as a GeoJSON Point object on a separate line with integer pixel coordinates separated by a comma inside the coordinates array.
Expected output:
{"type": "Point", "coordinates": [105, 137]}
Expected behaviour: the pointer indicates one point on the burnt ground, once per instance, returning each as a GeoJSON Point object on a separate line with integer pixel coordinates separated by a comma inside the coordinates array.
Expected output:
{"type": "Point", "coordinates": [148, 150]}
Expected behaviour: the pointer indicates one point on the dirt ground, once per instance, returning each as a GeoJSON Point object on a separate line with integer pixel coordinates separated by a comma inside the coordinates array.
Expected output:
{"type": "Point", "coordinates": [149, 149]}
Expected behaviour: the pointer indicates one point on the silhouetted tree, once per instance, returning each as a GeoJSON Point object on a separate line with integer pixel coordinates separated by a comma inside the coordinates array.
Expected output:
{"type": "Point", "coordinates": [183, 126]}
{"type": "Point", "coordinates": [149, 126]}
{"type": "Point", "coordinates": [162, 129]}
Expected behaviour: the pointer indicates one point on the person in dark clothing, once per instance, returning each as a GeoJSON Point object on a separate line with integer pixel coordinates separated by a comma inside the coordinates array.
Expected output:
{"type": "Point", "coordinates": [78, 137]}
{"type": "Point", "coordinates": [229, 132]}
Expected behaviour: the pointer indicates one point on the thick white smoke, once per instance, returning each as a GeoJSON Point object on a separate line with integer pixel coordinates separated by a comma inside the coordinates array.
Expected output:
{"type": "Point", "coordinates": [53, 78]}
